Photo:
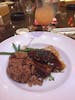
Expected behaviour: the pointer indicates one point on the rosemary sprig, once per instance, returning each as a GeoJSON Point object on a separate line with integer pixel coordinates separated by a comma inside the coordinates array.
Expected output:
{"type": "Point", "coordinates": [19, 48]}
{"type": "Point", "coordinates": [6, 53]}
{"type": "Point", "coordinates": [14, 46]}
{"type": "Point", "coordinates": [16, 49]}
{"type": "Point", "coordinates": [28, 49]}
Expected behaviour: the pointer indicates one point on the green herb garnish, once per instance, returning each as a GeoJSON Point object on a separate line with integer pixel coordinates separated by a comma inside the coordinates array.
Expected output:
{"type": "Point", "coordinates": [6, 53]}
{"type": "Point", "coordinates": [51, 78]}
{"type": "Point", "coordinates": [14, 46]}
{"type": "Point", "coordinates": [18, 49]}
{"type": "Point", "coordinates": [27, 49]}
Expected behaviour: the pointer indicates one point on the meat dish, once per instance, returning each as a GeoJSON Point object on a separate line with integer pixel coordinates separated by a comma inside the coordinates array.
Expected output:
{"type": "Point", "coordinates": [35, 66]}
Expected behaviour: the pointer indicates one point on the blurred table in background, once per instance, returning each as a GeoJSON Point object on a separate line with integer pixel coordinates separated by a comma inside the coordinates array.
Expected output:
{"type": "Point", "coordinates": [65, 18]}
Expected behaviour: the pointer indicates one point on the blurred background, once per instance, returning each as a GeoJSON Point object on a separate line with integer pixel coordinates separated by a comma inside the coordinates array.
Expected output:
{"type": "Point", "coordinates": [34, 15]}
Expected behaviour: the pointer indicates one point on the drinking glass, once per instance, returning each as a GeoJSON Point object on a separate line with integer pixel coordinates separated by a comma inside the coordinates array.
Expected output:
{"type": "Point", "coordinates": [44, 13]}
{"type": "Point", "coordinates": [28, 9]}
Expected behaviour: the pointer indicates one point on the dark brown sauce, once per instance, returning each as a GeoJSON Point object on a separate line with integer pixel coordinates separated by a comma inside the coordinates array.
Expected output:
{"type": "Point", "coordinates": [45, 57]}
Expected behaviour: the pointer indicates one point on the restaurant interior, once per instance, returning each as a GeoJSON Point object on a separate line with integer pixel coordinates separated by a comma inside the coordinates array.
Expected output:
{"type": "Point", "coordinates": [37, 49]}
{"type": "Point", "coordinates": [16, 14]}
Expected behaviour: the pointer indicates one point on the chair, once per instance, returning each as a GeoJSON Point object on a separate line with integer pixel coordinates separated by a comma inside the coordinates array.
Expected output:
{"type": "Point", "coordinates": [4, 14]}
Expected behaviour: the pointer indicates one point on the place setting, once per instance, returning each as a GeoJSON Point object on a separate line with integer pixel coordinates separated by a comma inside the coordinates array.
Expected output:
{"type": "Point", "coordinates": [37, 62]}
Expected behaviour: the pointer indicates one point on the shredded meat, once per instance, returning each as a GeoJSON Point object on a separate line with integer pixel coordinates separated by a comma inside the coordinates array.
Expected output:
{"type": "Point", "coordinates": [21, 69]}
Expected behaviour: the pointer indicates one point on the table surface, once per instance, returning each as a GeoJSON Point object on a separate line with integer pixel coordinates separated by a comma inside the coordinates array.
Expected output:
{"type": "Point", "coordinates": [64, 19]}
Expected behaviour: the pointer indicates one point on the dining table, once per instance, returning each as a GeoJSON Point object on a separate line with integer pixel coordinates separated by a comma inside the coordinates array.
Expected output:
{"type": "Point", "coordinates": [64, 17]}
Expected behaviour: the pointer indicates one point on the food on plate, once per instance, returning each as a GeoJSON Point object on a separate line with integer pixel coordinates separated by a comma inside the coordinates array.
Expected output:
{"type": "Point", "coordinates": [34, 66]}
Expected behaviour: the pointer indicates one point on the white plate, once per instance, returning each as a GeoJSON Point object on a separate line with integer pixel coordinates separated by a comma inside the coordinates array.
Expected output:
{"type": "Point", "coordinates": [63, 88]}
{"type": "Point", "coordinates": [22, 31]}
{"type": "Point", "coordinates": [69, 30]}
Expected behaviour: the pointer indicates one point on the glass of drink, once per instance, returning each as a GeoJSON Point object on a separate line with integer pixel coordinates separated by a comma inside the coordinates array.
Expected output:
{"type": "Point", "coordinates": [44, 13]}
{"type": "Point", "coordinates": [28, 9]}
